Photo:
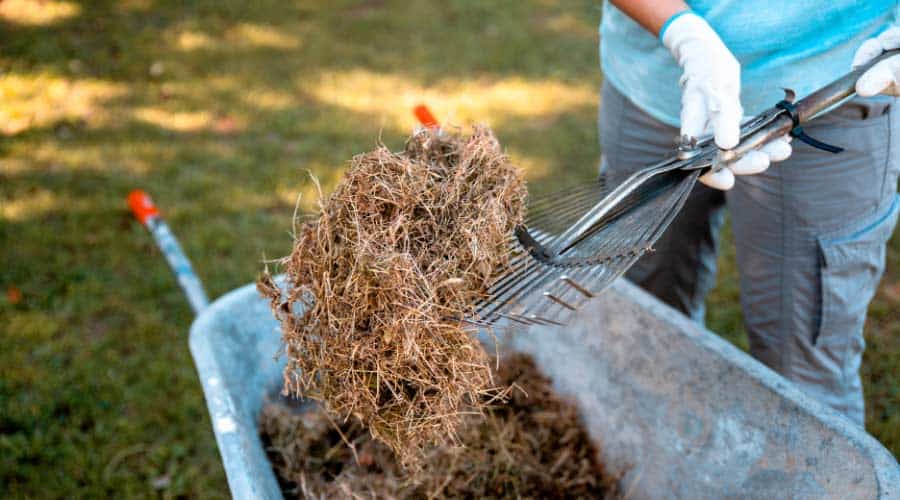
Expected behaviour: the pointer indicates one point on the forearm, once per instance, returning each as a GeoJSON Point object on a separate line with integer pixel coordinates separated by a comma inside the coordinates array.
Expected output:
{"type": "Point", "coordinates": [651, 14]}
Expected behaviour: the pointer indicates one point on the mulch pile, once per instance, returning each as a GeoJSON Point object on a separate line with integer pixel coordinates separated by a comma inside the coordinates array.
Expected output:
{"type": "Point", "coordinates": [377, 285]}
{"type": "Point", "coordinates": [532, 446]}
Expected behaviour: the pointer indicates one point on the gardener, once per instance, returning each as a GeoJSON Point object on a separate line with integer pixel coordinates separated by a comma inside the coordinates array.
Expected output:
{"type": "Point", "coordinates": [811, 232]}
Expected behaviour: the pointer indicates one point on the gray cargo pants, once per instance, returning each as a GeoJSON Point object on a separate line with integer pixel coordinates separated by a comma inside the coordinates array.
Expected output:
{"type": "Point", "coordinates": [811, 236]}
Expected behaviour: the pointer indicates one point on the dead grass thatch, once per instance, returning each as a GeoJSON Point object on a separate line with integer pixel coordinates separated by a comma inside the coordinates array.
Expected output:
{"type": "Point", "coordinates": [533, 446]}
{"type": "Point", "coordinates": [403, 248]}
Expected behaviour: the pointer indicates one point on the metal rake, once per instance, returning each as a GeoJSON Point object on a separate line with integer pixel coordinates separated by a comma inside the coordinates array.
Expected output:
{"type": "Point", "coordinates": [576, 242]}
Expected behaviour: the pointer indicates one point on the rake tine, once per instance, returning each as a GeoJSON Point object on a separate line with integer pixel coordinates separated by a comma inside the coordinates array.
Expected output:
{"type": "Point", "coordinates": [518, 319]}
{"type": "Point", "coordinates": [516, 264]}
{"type": "Point", "coordinates": [574, 284]}
{"type": "Point", "coordinates": [518, 289]}
{"type": "Point", "coordinates": [546, 321]}
{"type": "Point", "coordinates": [604, 239]}
{"type": "Point", "coordinates": [560, 196]}
{"type": "Point", "coordinates": [582, 281]}
{"type": "Point", "coordinates": [675, 197]}
{"type": "Point", "coordinates": [668, 184]}
{"type": "Point", "coordinates": [559, 301]}
{"type": "Point", "coordinates": [512, 279]}
{"type": "Point", "coordinates": [552, 214]}
{"type": "Point", "coordinates": [480, 324]}
{"type": "Point", "coordinates": [522, 290]}
{"type": "Point", "coordinates": [605, 222]}
{"type": "Point", "coordinates": [588, 278]}
{"type": "Point", "coordinates": [499, 298]}
{"type": "Point", "coordinates": [567, 292]}
{"type": "Point", "coordinates": [540, 235]}
{"type": "Point", "coordinates": [500, 288]}
{"type": "Point", "coordinates": [560, 199]}
{"type": "Point", "coordinates": [588, 223]}
{"type": "Point", "coordinates": [563, 201]}
{"type": "Point", "coordinates": [571, 296]}
{"type": "Point", "coordinates": [515, 281]}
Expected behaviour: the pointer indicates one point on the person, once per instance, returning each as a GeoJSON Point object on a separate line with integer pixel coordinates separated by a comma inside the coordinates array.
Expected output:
{"type": "Point", "coordinates": [811, 232]}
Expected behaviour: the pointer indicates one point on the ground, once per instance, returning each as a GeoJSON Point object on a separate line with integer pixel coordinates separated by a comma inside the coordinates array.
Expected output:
{"type": "Point", "coordinates": [219, 108]}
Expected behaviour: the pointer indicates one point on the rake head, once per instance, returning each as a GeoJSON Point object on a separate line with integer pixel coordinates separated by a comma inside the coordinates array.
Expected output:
{"type": "Point", "coordinates": [576, 242]}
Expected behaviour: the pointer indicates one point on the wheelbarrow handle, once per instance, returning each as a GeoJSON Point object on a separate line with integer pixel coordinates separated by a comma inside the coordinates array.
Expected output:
{"type": "Point", "coordinates": [145, 211]}
{"type": "Point", "coordinates": [423, 114]}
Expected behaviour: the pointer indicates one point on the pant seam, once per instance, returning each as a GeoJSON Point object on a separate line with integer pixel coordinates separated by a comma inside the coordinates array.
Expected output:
{"type": "Point", "coordinates": [786, 353]}
{"type": "Point", "coordinates": [884, 167]}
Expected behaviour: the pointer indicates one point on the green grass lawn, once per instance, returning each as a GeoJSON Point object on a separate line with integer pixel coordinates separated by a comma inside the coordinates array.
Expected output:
{"type": "Point", "coordinates": [218, 108]}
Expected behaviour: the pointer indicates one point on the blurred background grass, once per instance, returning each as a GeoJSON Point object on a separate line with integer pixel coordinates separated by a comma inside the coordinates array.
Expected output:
{"type": "Point", "coordinates": [218, 108]}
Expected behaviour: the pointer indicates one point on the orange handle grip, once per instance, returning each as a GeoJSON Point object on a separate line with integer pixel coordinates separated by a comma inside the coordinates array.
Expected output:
{"type": "Point", "coordinates": [142, 206]}
{"type": "Point", "coordinates": [423, 114]}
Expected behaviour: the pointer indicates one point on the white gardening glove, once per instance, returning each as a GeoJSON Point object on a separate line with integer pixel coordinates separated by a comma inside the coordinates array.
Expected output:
{"type": "Point", "coordinates": [753, 162]}
{"type": "Point", "coordinates": [884, 77]}
{"type": "Point", "coordinates": [711, 96]}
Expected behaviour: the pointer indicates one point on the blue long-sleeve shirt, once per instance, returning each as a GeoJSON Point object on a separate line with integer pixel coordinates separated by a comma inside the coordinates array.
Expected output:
{"type": "Point", "coordinates": [796, 44]}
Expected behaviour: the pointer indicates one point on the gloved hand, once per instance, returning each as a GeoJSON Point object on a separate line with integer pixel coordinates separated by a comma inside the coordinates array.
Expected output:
{"type": "Point", "coordinates": [884, 77]}
{"type": "Point", "coordinates": [711, 96]}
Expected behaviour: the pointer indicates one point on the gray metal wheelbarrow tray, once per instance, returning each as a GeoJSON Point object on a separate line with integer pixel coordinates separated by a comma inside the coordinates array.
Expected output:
{"type": "Point", "coordinates": [676, 411]}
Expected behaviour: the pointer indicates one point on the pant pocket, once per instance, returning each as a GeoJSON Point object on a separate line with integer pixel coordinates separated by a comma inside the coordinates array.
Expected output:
{"type": "Point", "coordinates": [853, 263]}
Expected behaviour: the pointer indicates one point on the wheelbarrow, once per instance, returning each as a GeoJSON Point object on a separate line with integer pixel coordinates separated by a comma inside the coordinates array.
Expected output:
{"type": "Point", "coordinates": [675, 410]}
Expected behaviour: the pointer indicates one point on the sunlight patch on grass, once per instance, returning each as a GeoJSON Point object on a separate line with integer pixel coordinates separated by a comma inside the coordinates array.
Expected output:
{"type": "Point", "coordinates": [55, 158]}
{"type": "Point", "coordinates": [32, 101]}
{"type": "Point", "coordinates": [269, 99]}
{"type": "Point", "coordinates": [242, 35]}
{"type": "Point", "coordinates": [178, 121]}
{"type": "Point", "coordinates": [188, 40]}
{"type": "Point", "coordinates": [37, 12]}
{"type": "Point", "coordinates": [258, 35]}
{"type": "Point", "coordinates": [31, 207]}
{"type": "Point", "coordinates": [251, 94]}
{"type": "Point", "coordinates": [454, 101]}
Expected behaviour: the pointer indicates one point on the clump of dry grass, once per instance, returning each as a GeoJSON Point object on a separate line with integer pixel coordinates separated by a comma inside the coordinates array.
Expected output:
{"type": "Point", "coordinates": [403, 248]}
{"type": "Point", "coordinates": [534, 446]}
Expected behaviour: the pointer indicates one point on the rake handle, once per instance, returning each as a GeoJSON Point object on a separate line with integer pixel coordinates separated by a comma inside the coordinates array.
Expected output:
{"type": "Point", "coordinates": [810, 106]}
{"type": "Point", "coordinates": [836, 91]}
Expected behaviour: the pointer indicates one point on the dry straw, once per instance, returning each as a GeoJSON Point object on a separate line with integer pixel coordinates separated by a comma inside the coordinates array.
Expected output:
{"type": "Point", "coordinates": [402, 249]}
{"type": "Point", "coordinates": [534, 446]}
